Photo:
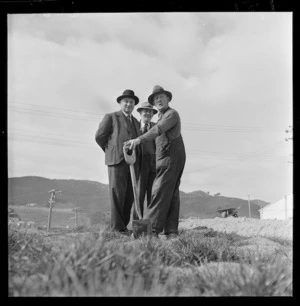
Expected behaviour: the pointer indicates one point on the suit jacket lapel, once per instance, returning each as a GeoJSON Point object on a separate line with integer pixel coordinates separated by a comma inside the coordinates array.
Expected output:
{"type": "Point", "coordinates": [137, 125]}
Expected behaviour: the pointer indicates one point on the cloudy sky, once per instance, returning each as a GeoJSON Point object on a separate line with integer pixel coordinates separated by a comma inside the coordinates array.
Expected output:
{"type": "Point", "coordinates": [230, 75]}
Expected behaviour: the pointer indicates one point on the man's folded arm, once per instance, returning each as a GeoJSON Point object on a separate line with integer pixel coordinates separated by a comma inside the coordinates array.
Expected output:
{"type": "Point", "coordinates": [104, 131]}
{"type": "Point", "coordinates": [161, 126]}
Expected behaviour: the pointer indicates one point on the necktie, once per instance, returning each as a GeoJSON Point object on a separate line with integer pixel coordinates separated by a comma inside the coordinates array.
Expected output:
{"type": "Point", "coordinates": [129, 119]}
{"type": "Point", "coordinates": [131, 126]}
{"type": "Point", "coordinates": [145, 128]}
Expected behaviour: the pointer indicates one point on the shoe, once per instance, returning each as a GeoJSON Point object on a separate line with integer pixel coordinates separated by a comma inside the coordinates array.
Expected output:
{"type": "Point", "coordinates": [172, 236]}
{"type": "Point", "coordinates": [155, 234]}
{"type": "Point", "coordinates": [125, 232]}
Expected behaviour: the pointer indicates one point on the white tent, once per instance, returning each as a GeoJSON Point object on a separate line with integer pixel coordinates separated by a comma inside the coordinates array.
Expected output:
{"type": "Point", "coordinates": [281, 210]}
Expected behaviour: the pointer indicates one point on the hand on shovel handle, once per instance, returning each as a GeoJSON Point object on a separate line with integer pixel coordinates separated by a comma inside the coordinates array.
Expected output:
{"type": "Point", "coordinates": [132, 143]}
{"type": "Point", "coordinates": [128, 147]}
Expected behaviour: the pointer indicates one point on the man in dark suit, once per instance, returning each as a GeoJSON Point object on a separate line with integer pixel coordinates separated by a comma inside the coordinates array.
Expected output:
{"type": "Point", "coordinates": [147, 170]}
{"type": "Point", "coordinates": [115, 129]}
{"type": "Point", "coordinates": [163, 210]}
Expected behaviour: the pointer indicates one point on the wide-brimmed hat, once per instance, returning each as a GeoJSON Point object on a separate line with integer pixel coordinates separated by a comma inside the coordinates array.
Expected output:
{"type": "Point", "coordinates": [128, 93]}
{"type": "Point", "coordinates": [147, 105]}
{"type": "Point", "coordinates": [158, 90]}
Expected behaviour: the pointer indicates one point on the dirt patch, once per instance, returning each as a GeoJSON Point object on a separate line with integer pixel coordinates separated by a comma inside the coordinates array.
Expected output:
{"type": "Point", "coordinates": [247, 227]}
{"type": "Point", "coordinates": [264, 247]}
{"type": "Point", "coordinates": [219, 269]}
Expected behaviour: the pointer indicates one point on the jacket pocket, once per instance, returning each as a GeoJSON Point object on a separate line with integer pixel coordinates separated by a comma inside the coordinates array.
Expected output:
{"type": "Point", "coordinates": [110, 154]}
{"type": "Point", "coordinates": [162, 153]}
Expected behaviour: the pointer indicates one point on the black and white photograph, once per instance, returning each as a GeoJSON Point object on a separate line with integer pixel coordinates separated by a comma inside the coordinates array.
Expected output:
{"type": "Point", "coordinates": [150, 154]}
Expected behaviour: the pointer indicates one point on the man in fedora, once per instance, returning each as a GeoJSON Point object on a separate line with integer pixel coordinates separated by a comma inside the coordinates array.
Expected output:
{"type": "Point", "coordinates": [147, 167]}
{"type": "Point", "coordinates": [163, 210]}
{"type": "Point", "coordinates": [115, 129]}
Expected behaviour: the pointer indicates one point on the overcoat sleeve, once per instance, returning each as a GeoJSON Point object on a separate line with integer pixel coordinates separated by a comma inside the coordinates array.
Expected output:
{"type": "Point", "coordinates": [162, 126]}
{"type": "Point", "coordinates": [104, 131]}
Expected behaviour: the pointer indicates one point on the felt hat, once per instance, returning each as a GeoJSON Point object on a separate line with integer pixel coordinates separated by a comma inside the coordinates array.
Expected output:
{"type": "Point", "coordinates": [128, 93]}
{"type": "Point", "coordinates": [147, 105]}
{"type": "Point", "coordinates": [158, 90]}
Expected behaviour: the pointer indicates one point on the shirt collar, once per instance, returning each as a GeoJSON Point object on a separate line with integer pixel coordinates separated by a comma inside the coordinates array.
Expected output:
{"type": "Point", "coordinates": [126, 115]}
{"type": "Point", "coordinates": [161, 113]}
{"type": "Point", "coordinates": [143, 124]}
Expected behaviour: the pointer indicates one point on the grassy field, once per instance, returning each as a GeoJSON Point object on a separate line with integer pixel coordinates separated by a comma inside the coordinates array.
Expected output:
{"type": "Point", "coordinates": [61, 218]}
{"type": "Point", "coordinates": [95, 261]}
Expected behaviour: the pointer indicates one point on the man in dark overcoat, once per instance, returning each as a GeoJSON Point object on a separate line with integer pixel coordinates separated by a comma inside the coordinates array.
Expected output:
{"type": "Point", "coordinates": [115, 129]}
{"type": "Point", "coordinates": [163, 210]}
{"type": "Point", "coordinates": [147, 167]}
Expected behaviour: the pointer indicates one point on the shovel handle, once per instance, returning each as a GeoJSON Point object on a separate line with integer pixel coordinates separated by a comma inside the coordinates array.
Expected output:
{"type": "Point", "coordinates": [130, 159]}
{"type": "Point", "coordinates": [135, 194]}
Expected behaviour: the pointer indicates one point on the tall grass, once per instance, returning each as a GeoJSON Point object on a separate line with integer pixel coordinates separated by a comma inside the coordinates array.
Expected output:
{"type": "Point", "coordinates": [100, 262]}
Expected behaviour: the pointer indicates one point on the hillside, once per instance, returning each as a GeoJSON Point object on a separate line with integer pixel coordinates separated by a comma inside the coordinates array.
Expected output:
{"type": "Point", "coordinates": [88, 195]}
{"type": "Point", "coordinates": [92, 196]}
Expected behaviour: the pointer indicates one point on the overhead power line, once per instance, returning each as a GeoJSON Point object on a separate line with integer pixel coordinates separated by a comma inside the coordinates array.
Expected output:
{"type": "Point", "coordinates": [51, 140]}
{"type": "Point", "coordinates": [235, 126]}
{"type": "Point", "coordinates": [46, 134]}
{"type": "Point", "coordinates": [242, 157]}
{"type": "Point", "coordinates": [89, 141]}
{"type": "Point", "coordinates": [266, 150]}
{"type": "Point", "coordinates": [57, 108]}
{"type": "Point", "coordinates": [52, 114]}
{"type": "Point", "coordinates": [237, 129]}
{"type": "Point", "coordinates": [35, 109]}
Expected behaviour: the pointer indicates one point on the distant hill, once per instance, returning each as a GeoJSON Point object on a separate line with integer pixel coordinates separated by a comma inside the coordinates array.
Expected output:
{"type": "Point", "coordinates": [88, 195]}
{"type": "Point", "coordinates": [93, 196]}
{"type": "Point", "coordinates": [207, 206]}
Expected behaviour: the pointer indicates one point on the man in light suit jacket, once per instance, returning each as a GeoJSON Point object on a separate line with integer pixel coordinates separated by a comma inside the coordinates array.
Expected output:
{"type": "Point", "coordinates": [115, 129]}
{"type": "Point", "coordinates": [147, 170]}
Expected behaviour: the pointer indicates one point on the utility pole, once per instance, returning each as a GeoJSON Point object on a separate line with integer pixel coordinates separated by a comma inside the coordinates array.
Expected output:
{"type": "Point", "coordinates": [249, 206]}
{"type": "Point", "coordinates": [285, 206]}
{"type": "Point", "coordinates": [289, 131]}
{"type": "Point", "coordinates": [76, 210]}
{"type": "Point", "coordinates": [51, 202]}
{"type": "Point", "coordinates": [290, 162]}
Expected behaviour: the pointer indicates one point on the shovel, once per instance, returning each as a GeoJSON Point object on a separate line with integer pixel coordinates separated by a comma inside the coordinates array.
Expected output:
{"type": "Point", "coordinates": [142, 226]}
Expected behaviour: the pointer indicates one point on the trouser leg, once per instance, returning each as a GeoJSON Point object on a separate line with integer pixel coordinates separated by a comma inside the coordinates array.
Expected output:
{"type": "Point", "coordinates": [165, 202]}
{"type": "Point", "coordinates": [151, 177]}
{"type": "Point", "coordinates": [172, 219]}
{"type": "Point", "coordinates": [162, 192]}
{"type": "Point", "coordinates": [129, 198]}
{"type": "Point", "coordinates": [120, 197]}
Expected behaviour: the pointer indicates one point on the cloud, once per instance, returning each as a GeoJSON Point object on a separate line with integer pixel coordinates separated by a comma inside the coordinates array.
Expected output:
{"type": "Point", "coordinates": [224, 69]}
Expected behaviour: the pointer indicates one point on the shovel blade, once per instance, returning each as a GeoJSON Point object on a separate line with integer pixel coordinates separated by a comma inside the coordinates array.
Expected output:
{"type": "Point", "coordinates": [141, 228]}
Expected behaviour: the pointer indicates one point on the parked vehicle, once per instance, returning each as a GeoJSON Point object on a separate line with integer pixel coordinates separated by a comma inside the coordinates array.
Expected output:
{"type": "Point", "coordinates": [226, 212]}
